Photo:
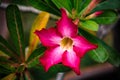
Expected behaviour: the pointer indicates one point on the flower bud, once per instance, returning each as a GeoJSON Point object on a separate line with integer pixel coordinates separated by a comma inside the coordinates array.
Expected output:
{"type": "Point", "coordinates": [90, 7]}
{"type": "Point", "coordinates": [95, 14]}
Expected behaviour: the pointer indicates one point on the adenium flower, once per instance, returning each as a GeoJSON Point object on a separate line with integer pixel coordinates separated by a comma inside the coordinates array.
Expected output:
{"type": "Point", "coordinates": [64, 45]}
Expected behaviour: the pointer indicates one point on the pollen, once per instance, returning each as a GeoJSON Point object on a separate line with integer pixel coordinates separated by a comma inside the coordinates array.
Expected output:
{"type": "Point", "coordinates": [66, 43]}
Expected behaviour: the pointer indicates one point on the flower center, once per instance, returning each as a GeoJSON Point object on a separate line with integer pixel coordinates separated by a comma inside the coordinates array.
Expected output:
{"type": "Point", "coordinates": [66, 43]}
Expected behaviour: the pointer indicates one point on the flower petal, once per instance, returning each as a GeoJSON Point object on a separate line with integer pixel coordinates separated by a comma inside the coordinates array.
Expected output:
{"type": "Point", "coordinates": [51, 57]}
{"type": "Point", "coordinates": [71, 60]}
{"type": "Point", "coordinates": [82, 45]}
{"type": "Point", "coordinates": [48, 37]}
{"type": "Point", "coordinates": [65, 25]}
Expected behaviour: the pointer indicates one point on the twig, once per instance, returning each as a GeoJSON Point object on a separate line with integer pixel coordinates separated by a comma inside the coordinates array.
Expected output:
{"type": "Point", "coordinates": [91, 71]}
{"type": "Point", "coordinates": [22, 8]}
{"type": "Point", "coordinates": [104, 30]}
{"type": "Point", "coordinates": [60, 76]}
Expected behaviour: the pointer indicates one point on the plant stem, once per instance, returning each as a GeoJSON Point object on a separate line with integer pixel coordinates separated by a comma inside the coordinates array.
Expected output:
{"type": "Point", "coordinates": [60, 76]}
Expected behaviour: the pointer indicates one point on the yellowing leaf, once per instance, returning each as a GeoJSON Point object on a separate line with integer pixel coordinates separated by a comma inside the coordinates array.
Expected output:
{"type": "Point", "coordinates": [11, 76]}
{"type": "Point", "coordinates": [3, 54]}
{"type": "Point", "coordinates": [39, 23]}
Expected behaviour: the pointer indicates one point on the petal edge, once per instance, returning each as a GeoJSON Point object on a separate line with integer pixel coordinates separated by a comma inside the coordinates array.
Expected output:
{"type": "Point", "coordinates": [51, 57]}
{"type": "Point", "coordinates": [70, 59]}
{"type": "Point", "coordinates": [65, 26]}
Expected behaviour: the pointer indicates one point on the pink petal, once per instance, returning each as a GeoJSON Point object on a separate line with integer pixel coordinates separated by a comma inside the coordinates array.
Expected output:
{"type": "Point", "coordinates": [51, 57]}
{"type": "Point", "coordinates": [98, 13]}
{"type": "Point", "coordinates": [71, 60]}
{"type": "Point", "coordinates": [65, 25]}
{"type": "Point", "coordinates": [48, 37]}
{"type": "Point", "coordinates": [82, 45]}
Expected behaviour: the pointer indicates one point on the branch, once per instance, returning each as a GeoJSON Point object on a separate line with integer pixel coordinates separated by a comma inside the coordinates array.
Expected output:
{"type": "Point", "coordinates": [104, 30]}
{"type": "Point", "coordinates": [26, 9]}
{"type": "Point", "coordinates": [60, 76]}
{"type": "Point", "coordinates": [22, 8]}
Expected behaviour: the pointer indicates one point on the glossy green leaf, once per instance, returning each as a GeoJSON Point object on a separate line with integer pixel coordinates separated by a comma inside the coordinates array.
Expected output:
{"type": "Point", "coordinates": [52, 5]}
{"type": "Point", "coordinates": [64, 4]}
{"type": "Point", "coordinates": [105, 52]}
{"type": "Point", "coordinates": [7, 49]}
{"type": "Point", "coordinates": [42, 5]}
{"type": "Point", "coordinates": [33, 59]}
{"type": "Point", "coordinates": [108, 4]}
{"type": "Point", "coordinates": [15, 28]}
{"type": "Point", "coordinates": [81, 5]}
{"type": "Point", "coordinates": [77, 4]}
{"type": "Point", "coordinates": [90, 25]}
{"type": "Point", "coordinates": [100, 54]}
{"type": "Point", "coordinates": [106, 17]}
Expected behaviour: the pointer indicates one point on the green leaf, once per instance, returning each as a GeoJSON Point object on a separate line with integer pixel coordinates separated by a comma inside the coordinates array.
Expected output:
{"type": "Point", "coordinates": [6, 68]}
{"type": "Point", "coordinates": [64, 4]}
{"type": "Point", "coordinates": [114, 56]}
{"type": "Point", "coordinates": [108, 4]}
{"type": "Point", "coordinates": [33, 59]}
{"type": "Point", "coordinates": [90, 25]}
{"type": "Point", "coordinates": [11, 76]}
{"type": "Point", "coordinates": [81, 5]}
{"type": "Point", "coordinates": [77, 4]}
{"type": "Point", "coordinates": [7, 49]}
{"type": "Point", "coordinates": [15, 28]}
{"type": "Point", "coordinates": [105, 52]}
{"type": "Point", "coordinates": [38, 70]}
{"type": "Point", "coordinates": [42, 5]}
{"type": "Point", "coordinates": [4, 60]}
{"type": "Point", "coordinates": [20, 2]}
{"type": "Point", "coordinates": [52, 6]}
{"type": "Point", "coordinates": [87, 61]}
{"type": "Point", "coordinates": [106, 17]}
{"type": "Point", "coordinates": [100, 54]}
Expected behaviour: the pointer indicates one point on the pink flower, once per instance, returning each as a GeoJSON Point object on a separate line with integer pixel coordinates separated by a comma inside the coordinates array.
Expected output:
{"type": "Point", "coordinates": [63, 44]}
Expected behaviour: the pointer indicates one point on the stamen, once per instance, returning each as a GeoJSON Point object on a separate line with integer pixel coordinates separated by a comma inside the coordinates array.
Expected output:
{"type": "Point", "coordinates": [66, 43]}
